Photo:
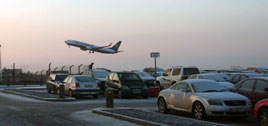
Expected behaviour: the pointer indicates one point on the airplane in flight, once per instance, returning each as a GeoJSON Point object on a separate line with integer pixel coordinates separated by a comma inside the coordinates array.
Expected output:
{"type": "Point", "coordinates": [93, 48]}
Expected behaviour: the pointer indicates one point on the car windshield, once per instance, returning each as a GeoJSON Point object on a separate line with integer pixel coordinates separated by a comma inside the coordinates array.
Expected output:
{"type": "Point", "coordinates": [100, 74]}
{"type": "Point", "coordinates": [208, 86]}
{"type": "Point", "coordinates": [60, 77]}
{"type": "Point", "coordinates": [128, 77]}
{"type": "Point", "coordinates": [144, 74]}
{"type": "Point", "coordinates": [190, 71]}
{"type": "Point", "coordinates": [84, 79]}
{"type": "Point", "coordinates": [215, 78]}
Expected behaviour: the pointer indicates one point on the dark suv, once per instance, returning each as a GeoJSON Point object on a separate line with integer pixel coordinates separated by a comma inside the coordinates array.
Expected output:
{"type": "Point", "coordinates": [127, 84]}
{"type": "Point", "coordinates": [53, 82]}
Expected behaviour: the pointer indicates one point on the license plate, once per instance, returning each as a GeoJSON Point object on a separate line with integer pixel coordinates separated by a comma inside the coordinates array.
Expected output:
{"type": "Point", "coordinates": [136, 91]}
{"type": "Point", "coordinates": [88, 86]}
{"type": "Point", "coordinates": [237, 109]}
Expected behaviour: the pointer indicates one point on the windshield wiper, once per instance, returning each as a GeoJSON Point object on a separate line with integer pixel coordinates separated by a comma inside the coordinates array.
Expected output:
{"type": "Point", "coordinates": [223, 90]}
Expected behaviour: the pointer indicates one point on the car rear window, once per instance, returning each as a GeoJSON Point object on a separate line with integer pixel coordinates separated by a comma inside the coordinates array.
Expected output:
{"type": "Point", "coordinates": [60, 77]}
{"type": "Point", "coordinates": [190, 71]}
{"type": "Point", "coordinates": [84, 79]}
{"type": "Point", "coordinates": [128, 77]}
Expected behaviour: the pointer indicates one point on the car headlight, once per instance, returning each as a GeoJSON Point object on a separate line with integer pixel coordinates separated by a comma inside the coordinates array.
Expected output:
{"type": "Point", "coordinates": [215, 102]}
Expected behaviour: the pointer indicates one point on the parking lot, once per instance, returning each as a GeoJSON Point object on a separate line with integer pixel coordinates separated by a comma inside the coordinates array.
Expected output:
{"type": "Point", "coordinates": [87, 103]}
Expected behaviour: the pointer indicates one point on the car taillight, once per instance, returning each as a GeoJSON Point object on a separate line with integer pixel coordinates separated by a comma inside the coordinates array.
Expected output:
{"type": "Point", "coordinates": [99, 84]}
{"type": "Point", "coordinates": [76, 85]}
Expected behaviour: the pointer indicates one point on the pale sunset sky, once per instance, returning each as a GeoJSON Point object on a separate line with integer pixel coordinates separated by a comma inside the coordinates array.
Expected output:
{"type": "Point", "coordinates": [209, 34]}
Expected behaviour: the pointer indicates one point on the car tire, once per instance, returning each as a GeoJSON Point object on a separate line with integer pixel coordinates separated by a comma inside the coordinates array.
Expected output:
{"type": "Point", "coordinates": [263, 117]}
{"type": "Point", "coordinates": [162, 105]}
{"type": "Point", "coordinates": [199, 111]}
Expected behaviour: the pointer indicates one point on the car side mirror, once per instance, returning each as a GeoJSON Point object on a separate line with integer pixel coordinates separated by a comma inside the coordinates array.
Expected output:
{"type": "Point", "coordinates": [266, 89]}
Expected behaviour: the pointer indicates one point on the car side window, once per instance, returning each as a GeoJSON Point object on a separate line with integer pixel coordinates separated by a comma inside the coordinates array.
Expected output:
{"type": "Point", "coordinates": [236, 78]}
{"type": "Point", "coordinates": [66, 80]}
{"type": "Point", "coordinates": [188, 88]}
{"type": "Point", "coordinates": [194, 77]}
{"type": "Point", "coordinates": [261, 85]}
{"type": "Point", "coordinates": [116, 77]}
{"type": "Point", "coordinates": [200, 77]}
{"type": "Point", "coordinates": [243, 77]}
{"type": "Point", "coordinates": [248, 84]}
{"type": "Point", "coordinates": [176, 71]}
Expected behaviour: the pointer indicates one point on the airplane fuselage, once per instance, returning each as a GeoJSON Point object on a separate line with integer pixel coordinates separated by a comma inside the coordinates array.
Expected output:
{"type": "Point", "coordinates": [92, 48]}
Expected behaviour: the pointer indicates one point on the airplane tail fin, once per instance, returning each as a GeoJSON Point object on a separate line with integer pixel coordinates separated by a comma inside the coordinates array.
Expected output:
{"type": "Point", "coordinates": [116, 46]}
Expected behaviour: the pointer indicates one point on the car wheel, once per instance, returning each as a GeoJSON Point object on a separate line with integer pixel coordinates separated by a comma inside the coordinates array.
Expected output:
{"type": "Point", "coordinates": [264, 117]}
{"type": "Point", "coordinates": [199, 111]}
{"type": "Point", "coordinates": [70, 93]}
{"type": "Point", "coordinates": [162, 106]}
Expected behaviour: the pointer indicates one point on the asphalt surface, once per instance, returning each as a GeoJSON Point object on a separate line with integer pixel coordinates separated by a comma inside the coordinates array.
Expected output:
{"type": "Point", "coordinates": [14, 112]}
{"type": "Point", "coordinates": [20, 111]}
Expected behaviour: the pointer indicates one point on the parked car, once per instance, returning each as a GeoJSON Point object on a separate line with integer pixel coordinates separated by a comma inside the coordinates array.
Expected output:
{"type": "Point", "coordinates": [127, 84]}
{"type": "Point", "coordinates": [54, 81]}
{"type": "Point", "coordinates": [237, 77]}
{"type": "Point", "coordinates": [150, 82]}
{"type": "Point", "coordinates": [81, 85]}
{"type": "Point", "coordinates": [254, 88]}
{"type": "Point", "coordinates": [212, 76]}
{"type": "Point", "coordinates": [261, 112]}
{"type": "Point", "coordinates": [146, 77]}
{"type": "Point", "coordinates": [100, 75]}
{"type": "Point", "coordinates": [174, 75]}
{"type": "Point", "coordinates": [203, 98]}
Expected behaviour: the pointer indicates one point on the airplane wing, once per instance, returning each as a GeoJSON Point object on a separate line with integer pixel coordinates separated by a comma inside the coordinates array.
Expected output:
{"type": "Point", "coordinates": [100, 47]}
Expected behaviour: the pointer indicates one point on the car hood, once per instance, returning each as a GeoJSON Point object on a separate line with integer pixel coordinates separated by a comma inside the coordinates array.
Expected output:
{"type": "Point", "coordinates": [222, 95]}
{"type": "Point", "coordinates": [226, 84]}
{"type": "Point", "coordinates": [132, 83]}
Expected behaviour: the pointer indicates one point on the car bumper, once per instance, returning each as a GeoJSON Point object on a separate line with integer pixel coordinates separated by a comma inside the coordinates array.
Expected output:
{"type": "Point", "coordinates": [85, 91]}
{"type": "Point", "coordinates": [214, 110]}
{"type": "Point", "coordinates": [136, 92]}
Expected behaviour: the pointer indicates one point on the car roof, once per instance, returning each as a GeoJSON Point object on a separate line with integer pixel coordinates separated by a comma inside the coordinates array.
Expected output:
{"type": "Point", "coordinates": [122, 72]}
{"type": "Point", "coordinates": [264, 78]}
{"type": "Point", "coordinates": [197, 80]}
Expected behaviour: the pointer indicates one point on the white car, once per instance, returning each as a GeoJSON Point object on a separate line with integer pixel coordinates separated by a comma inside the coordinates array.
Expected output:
{"type": "Point", "coordinates": [203, 98]}
{"type": "Point", "coordinates": [212, 76]}
{"type": "Point", "coordinates": [81, 85]}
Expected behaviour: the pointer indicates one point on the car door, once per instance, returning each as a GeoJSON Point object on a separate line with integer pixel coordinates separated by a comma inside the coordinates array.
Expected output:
{"type": "Point", "coordinates": [236, 79]}
{"type": "Point", "coordinates": [65, 81]}
{"type": "Point", "coordinates": [246, 88]}
{"type": "Point", "coordinates": [259, 92]}
{"type": "Point", "coordinates": [166, 80]}
{"type": "Point", "coordinates": [178, 94]}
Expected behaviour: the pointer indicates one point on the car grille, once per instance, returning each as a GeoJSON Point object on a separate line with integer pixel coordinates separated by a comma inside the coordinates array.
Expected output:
{"type": "Point", "coordinates": [135, 87]}
{"type": "Point", "coordinates": [235, 103]}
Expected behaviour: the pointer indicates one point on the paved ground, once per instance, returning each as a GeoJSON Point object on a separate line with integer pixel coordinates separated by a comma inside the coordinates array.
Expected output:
{"type": "Point", "coordinates": [16, 110]}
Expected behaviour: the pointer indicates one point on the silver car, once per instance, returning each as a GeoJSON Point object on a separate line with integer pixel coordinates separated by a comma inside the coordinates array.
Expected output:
{"type": "Point", "coordinates": [203, 98]}
{"type": "Point", "coordinates": [80, 85]}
